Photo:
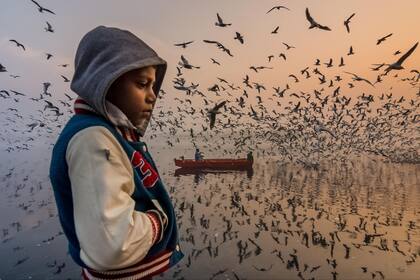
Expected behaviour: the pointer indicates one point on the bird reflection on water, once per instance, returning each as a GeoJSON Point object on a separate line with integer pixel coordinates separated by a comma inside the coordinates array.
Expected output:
{"type": "Point", "coordinates": [291, 221]}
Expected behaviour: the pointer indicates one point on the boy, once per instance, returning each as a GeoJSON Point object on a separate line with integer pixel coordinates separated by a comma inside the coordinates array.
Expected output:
{"type": "Point", "coordinates": [112, 205]}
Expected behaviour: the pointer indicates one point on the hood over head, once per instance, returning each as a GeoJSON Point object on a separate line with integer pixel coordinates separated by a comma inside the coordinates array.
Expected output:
{"type": "Point", "coordinates": [103, 55]}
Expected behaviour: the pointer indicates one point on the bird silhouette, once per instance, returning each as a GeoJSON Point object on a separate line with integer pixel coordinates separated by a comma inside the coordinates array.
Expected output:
{"type": "Point", "coordinates": [239, 37]}
{"type": "Point", "coordinates": [347, 22]}
{"type": "Point", "coordinates": [220, 22]}
{"type": "Point", "coordinates": [42, 9]}
{"type": "Point", "coordinates": [215, 110]}
{"type": "Point", "coordinates": [278, 8]}
{"type": "Point", "coordinates": [380, 40]}
{"type": "Point", "coordinates": [358, 78]}
{"type": "Point", "coordinates": [184, 63]}
{"type": "Point", "coordinates": [49, 28]}
{"type": "Point", "coordinates": [184, 44]}
{"type": "Point", "coordinates": [313, 23]}
{"type": "Point", "coordinates": [18, 44]}
{"type": "Point", "coordinates": [219, 45]}
{"type": "Point", "coordinates": [398, 65]}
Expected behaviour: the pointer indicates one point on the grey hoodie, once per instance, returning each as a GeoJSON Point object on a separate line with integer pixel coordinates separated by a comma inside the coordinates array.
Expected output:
{"type": "Point", "coordinates": [103, 55]}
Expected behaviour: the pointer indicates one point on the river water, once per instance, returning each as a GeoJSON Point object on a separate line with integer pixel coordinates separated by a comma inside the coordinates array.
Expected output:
{"type": "Point", "coordinates": [354, 220]}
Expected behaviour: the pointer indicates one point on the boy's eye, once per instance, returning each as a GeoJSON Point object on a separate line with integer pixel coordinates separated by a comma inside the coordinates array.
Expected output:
{"type": "Point", "coordinates": [142, 84]}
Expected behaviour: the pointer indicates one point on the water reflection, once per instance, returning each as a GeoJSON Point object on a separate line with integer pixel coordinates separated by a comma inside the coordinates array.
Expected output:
{"type": "Point", "coordinates": [353, 220]}
{"type": "Point", "coordinates": [199, 174]}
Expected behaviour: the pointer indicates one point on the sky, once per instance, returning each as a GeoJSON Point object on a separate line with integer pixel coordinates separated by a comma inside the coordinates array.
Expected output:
{"type": "Point", "coordinates": [161, 24]}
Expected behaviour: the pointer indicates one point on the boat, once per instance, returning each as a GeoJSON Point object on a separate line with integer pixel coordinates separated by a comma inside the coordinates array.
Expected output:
{"type": "Point", "coordinates": [215, 164]}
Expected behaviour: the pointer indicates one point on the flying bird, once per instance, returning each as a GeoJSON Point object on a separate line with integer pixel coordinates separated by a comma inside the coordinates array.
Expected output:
{"type": "Point", "coordinates": [288, 46]}
{"type": "Point", "coordinates": [398, 65]}
{"type": "Point", "coordinates": [17, 93]}
{"type": "Point", "coordinates": [66, 80]}
{"type": "Point", "coordinates": [380, 40]}
{"type": "Point", "coordinates": [18, 44]}
{"type": "Point", "coordinates": [358, 78]}
{"type": "Point", "coordinates": [184, 44]}
{"type": "Point", "coordinates": [275, 30]}
{"type": "Point", "coordinates": [278, 8]}
{"type": "Point", "coordinates": [49, 28]}
{"type": "Point", "coordinates": [214, 111]}
{"type": "Point", "coordinates": [219, 45]}
{"type": "Point", "coordinates": [220, 22]}
{"type": "Point", "coordinates": [42, 9]}
{"type": "Point", "coordinates": [239, 37]}
{"type": "Point", "coordinates": [2, 68]}
{"type": "Point", "coordinates": [214, 61]}
{"type": "Point", "coordinates": [347, 22]}
{"type": "Point", "coordinates": [186, 64]}
{"type": "Point", "coordinates": [313, 23]}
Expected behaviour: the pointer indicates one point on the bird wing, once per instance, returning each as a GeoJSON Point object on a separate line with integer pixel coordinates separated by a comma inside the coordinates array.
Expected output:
{"type": "Point", "coordinates": [271, 9]}
{"type": "Point", "coordinates": [210, 42]}
{"type": "Point", "coordinates": [347, 26]}
{"type": "Point", "coordinates": [219, 19]}
{"type": "Point", "coordinates": [218, 106]}
{"type": "Point", "coordinates": [36, 3]}
{"type": "Point", "coordinates": [184, 60]}
{"type": "Point", "coordinates": [323, 27]}
{"type": "Point", "coordinates": [308, 16]}
{"type": "Point", "coordinates": [350, 17]}
{"type": "Point", "coordinates": [47, 10]}
{"type": "Point", "coordinates": [407, 54]}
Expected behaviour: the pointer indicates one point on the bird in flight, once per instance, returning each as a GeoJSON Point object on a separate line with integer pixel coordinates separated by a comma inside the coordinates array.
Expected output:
{"type": "Point", "coordinates": [215, 61]}
{"type": "Point", "coordinates": [214, 111]}
{"type": "Point", "coordinates": [239, 37]}
{"type": "Point", "coordinates": [219, 45]}
{"type": "Point", "coordinates": [314, 23]}
{"type": "Point", "coordinates": [278, 8]}
{"type": "Point", "coordinates": [18, 44]}
{"type": "Point", "coordinates": [347, 22]}
{"type": "Point", "coordinates": [398, 65]}
{"type": "Point", "coordinates": [49, 28]}
{"type": "Point", "coordinates": [184, 63]}
{"type": "Point", "coordinates": [42, 9]}
{"type": "Point", "coordinates": [2, 68]}
{"type": "Point", "coordinates": [358, 78]}
{"type": "Point", "coordinates": [220, 22]}
{"type": "Point", "coordinates": [288, 46]}
{"type": "Point", "coordinates": [275, 30]}
{"type": "Point", "coordinates": [380, 40]}
{"type": "Point", "coordinates": [184, 44]}
{"type": "Point", "coordinates": [66, 80]}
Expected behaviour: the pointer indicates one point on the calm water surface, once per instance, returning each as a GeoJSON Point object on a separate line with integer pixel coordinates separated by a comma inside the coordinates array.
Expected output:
{"type": "Point", "coordinates": [359, 220]}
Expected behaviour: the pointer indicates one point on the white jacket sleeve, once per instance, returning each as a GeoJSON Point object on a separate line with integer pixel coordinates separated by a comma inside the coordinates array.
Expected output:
{"type": "Point", "coordinates": [111, 233]}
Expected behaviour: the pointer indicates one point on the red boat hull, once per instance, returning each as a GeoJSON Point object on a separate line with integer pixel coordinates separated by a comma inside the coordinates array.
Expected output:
{"type": "Point", "coordinates": [219, 164]}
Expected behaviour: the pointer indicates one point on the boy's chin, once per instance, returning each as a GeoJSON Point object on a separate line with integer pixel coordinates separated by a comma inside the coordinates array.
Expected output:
{"type": "Point", "coordinates": [141, 125]}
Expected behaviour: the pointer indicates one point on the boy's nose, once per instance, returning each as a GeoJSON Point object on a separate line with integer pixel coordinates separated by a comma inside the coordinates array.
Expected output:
{"type": "Point", "coordinates": [151, 96]}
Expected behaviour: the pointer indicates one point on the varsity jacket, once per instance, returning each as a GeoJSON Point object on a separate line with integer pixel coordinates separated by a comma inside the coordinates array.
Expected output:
{"type": "Point", "coordinates": [112, 204]}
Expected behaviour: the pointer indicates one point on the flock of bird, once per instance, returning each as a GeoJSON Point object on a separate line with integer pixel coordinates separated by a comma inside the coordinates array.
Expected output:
{"type": "Point", "coordinates": [306, 128]}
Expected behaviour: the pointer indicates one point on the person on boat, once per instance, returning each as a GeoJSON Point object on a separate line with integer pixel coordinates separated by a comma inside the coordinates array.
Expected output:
{"type": "Point", "coordinates": [249, 156]}
{"type": "Point", "coordinates": [198, 154]}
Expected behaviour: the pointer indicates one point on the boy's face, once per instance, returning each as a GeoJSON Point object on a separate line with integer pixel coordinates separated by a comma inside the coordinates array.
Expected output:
{"type": "Point", "coordinates": [133, 94]}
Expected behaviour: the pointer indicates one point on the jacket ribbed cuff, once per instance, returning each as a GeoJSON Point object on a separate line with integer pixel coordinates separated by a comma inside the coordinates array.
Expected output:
{"type": "Point", "coordinates": [157, 225]}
